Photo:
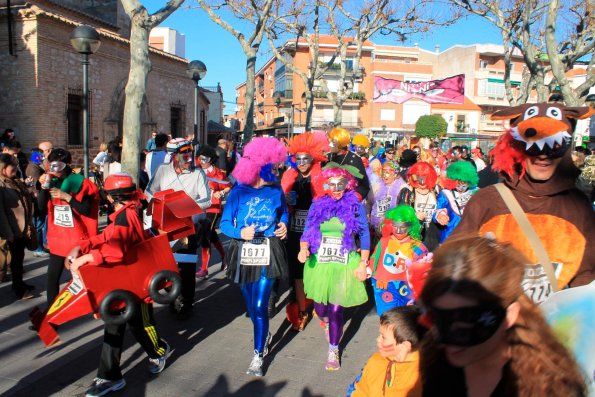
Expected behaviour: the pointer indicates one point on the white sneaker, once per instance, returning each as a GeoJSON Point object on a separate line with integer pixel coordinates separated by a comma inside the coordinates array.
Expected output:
{"type": "Point", "coordinates": [101, 387]}
{"type": "Point", "coordinates": [156, 365]}
{"type": "Point", "coordinates": [255, 368]}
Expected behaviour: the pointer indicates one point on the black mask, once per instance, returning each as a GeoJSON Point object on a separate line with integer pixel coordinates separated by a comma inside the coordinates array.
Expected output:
{"type": "Point", "coordinates": [466, 326]}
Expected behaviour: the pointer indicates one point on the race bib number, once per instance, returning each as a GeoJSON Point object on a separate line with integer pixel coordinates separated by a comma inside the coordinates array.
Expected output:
{"type": "Point", "coordinates": [63, 216]}
{"type": "Point", "coordinates": [536, 284]}
{"type": "Point", "coordinates": [256, 252]}
{"type": "Point", "coordinates": [330, 250]}
{"type": "Point", "coordinates": [75, 286]}
{"type": "Point", "coordinates": [299, 220]}
{"type": "Point", "coordinates": [383, 205]}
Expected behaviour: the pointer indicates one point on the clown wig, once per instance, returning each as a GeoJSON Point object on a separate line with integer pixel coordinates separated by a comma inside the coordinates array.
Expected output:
{"type": "Point", "coordinates": [462, 171]}
{"type": "Point", "coordinates": [341, 136]}
{"type": "Point", "coordinates": [402, 213]}
{"type": "Point", "coordinates": [315, 144]}
{"type": "Point", "coordinates": [422, 169]}
{"type": "Point", "coordinates": [261, 154]}
{"type": "Point", "coordinates": [320, 182]}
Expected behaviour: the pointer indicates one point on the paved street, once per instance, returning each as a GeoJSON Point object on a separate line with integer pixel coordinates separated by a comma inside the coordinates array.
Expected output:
{"type": "Point", "coordinates": [211, 352]}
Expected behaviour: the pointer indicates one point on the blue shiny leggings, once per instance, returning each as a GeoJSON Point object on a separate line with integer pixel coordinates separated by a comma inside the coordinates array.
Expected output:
{"type": "Point", "coordinates": [257, 299]}
{"type": "Point", "coordinates": [334, 313]}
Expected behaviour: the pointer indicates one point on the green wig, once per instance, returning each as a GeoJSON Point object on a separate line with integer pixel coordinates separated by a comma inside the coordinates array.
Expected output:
{"type": "Point", "coordinates": [463, 171]}
{"type": "Point", "coordinates": [405, 213]}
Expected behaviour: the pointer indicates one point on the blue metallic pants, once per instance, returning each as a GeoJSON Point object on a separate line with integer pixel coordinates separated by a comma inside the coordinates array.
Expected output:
{"type": "Point", "coordinates": [257, 299]}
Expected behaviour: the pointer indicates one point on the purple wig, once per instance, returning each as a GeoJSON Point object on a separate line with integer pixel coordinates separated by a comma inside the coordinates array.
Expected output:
{"type": "Point", "coordinates": [325, 208]}
{"type": "Point", "coordinates": [258, 153]}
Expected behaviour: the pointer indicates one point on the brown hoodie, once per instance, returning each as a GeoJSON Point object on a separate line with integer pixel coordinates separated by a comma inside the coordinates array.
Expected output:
{"type": "Point", "coordinates": [560, 214]}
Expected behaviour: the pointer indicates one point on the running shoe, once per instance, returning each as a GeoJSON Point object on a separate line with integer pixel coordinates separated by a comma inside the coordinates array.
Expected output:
{"type": "Point", "coordinates": [332, 362]}
{"type": "Point", "coordinates": [156, 365]}
{"type": "Point", "coordinates": [255, 368]}
{"type": "Point", "coordinates": [101, 387]}
{"type": "Point", "coordinates": [202, 273]}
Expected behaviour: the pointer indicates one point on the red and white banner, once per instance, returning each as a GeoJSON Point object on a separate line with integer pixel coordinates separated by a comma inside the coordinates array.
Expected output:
{"type": "Point", "coordinates": [448, 90]}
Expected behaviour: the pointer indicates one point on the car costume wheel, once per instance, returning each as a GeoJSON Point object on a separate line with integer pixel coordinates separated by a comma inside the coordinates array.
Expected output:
{"type": "Point", "coordinates": [117, 307]}
{"type": "Point", "coordinates": [165, 286]}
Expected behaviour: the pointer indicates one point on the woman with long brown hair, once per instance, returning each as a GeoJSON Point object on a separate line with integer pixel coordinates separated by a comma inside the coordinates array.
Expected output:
{"type": "Point", "coordinates": [16, 211]}
{"type": "Point", "coordinates": [488, 338]}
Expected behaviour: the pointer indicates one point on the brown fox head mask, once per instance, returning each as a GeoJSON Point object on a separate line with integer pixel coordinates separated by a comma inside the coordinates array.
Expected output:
{"type": "Point", "coordinates": [544, 128]}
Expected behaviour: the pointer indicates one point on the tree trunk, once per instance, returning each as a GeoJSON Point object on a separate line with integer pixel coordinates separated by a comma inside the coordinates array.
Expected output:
{"type": "Point", "coordinates": [140, 66]}
{"type": "Point", "coordinates": [249, 95]}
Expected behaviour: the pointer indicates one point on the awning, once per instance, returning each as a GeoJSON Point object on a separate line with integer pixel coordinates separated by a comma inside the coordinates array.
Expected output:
{"type": "Point", "coordinates": [513, 82]}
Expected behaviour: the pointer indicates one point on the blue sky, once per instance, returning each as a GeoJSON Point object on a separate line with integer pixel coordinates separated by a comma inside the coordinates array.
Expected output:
{"type": "Point", "coordinates": [225, 61]}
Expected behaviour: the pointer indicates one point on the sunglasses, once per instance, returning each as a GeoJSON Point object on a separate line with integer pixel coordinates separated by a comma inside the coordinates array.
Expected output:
{"type": "Point", "coordinates": [360, 148]}
{"type": "Point", "coordinates": [390, 152]}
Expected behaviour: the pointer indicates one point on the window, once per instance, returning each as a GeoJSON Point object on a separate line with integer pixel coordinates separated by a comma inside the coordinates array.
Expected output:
{"type": "Point", "coordinates": [483, 64]}
{"type": "Point", "coordinates": [413, 111]}
{"type": "Point", "coordinates": [491, 88]}
{"type": "Point", "coordinates": [387, 114]}
{"type": "Point", "coordinates": [176, 121]}
{"type": "Point", "coordinates": [74, 116]}
{"type": "Point", "coordinates": [460, 125]}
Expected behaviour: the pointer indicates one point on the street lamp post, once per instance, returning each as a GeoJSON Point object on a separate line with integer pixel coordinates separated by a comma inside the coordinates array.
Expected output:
{"type": "Point", "coordinates": [196, 71]}
{"type": "Point", "coordinates": [85, 40]}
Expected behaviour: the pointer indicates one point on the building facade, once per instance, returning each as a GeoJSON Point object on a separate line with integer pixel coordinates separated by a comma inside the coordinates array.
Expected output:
{"type": "Point", "coordinates": [41, 79]}
{"type": "Point", "coordinates": [481, 64]}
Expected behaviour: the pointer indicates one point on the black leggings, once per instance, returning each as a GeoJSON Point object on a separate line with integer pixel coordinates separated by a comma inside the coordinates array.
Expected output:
{"type": "Point", "coordinates": [55, 269]}
{"type": "Point", "coordinates": [17, 253]}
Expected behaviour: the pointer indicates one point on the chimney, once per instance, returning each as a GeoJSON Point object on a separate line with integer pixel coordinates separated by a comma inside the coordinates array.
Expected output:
{"type": "Point", "coordinates": [416, 45]}
{"type": "Point", "coordinates": [437, 48]}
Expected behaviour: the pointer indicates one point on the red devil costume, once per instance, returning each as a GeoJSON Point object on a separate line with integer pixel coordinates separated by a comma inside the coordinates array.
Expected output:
{"type": "Point", "coordinates": [534, 160]}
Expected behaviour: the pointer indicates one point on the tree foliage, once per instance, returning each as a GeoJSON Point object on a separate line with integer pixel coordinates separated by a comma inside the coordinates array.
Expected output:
{"type": "Point", "coordinates": [430, 126]}
{"type": "Point", "coordinates": [530, 28]}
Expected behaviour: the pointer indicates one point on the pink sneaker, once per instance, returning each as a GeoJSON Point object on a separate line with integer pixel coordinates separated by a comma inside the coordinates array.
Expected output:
{"type": "Point", "coordinates": [332, 362]}
{"type": "Point", "coordinates": [202, 273]}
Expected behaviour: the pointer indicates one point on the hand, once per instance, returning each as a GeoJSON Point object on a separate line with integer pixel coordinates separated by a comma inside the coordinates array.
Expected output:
{"type": "Point", "coordinates": [247, 233]}
{"type": "Point", "coordinates": [216, 195]}
{"type": "Point", "coordinates": [59, 194]}
{"type": "Point", "coordinates": [303, 255]}
{"type": "Point", "coordinates": [45, 178]}
{"type": "Point", "coordinates": [78, 262]}
{"type": "Point", "coordinates": [29, 181]}
{"type": "Point", "coordinates": [421, 215]}
{"type": "Point", "coordinates": [281, 231]}
{"type": "Point", "coordinates": [442, 218]}
{"type": "Point", "coordinates": [360, 272]}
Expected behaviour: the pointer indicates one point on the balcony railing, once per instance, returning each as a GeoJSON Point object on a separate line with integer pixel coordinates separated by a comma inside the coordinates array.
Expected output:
{"type": "Point", "coordinates": [354, 96]}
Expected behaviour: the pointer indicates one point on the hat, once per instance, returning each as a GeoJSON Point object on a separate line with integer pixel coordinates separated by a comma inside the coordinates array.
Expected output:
{"type": "Point", "coordinates": [408, 158]}
{"type": "Point", "coordinates": [178, 145]}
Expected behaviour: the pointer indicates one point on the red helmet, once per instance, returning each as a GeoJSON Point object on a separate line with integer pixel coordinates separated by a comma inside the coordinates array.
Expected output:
{"type": "Point", "coordinates": [119, 184]}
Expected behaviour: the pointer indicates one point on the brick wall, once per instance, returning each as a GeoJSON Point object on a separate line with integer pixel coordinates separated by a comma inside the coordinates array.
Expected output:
{"type": "Point", "coordinates": [34, 87]}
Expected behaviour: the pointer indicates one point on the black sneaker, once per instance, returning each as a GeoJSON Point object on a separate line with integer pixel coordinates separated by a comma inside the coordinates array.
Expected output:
{"type": "Point", "coordinates": [101, 387]}
{"type": "Point", "coordinates": [184, 313]}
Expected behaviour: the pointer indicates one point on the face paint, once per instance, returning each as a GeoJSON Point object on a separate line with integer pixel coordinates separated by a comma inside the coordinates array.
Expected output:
{"type": "Point", "coordinates": [462, 187]}
{"type": "Point", "coordinates": [303, 159]}
{"type": "Point", "coordinates": [401, 227]}
{"type": "Point", "coordinates": [466, 326]}
{"type": "Point", "coordinates": [57, 166]}
{"type": "Point", "coordinates": [333, 145]}
{"type": "Point", "coordinates": [337, 184]}
{"type": "Point", "coordinates": [204, 159]}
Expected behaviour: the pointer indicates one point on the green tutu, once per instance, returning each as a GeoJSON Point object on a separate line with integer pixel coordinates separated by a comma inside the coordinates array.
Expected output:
{"type": "Point", "coordinates": [334, 282]}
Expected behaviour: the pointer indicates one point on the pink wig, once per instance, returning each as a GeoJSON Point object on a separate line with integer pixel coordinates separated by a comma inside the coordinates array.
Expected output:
{"type": "Point", "coordinates": [258, 153]}
{"type": "Point", "coordinates": [322, 179]}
